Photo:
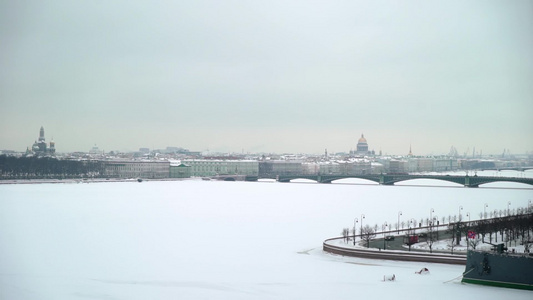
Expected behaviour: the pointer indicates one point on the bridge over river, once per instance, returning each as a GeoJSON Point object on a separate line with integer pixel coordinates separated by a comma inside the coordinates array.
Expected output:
{"type": "Point", "coordinates": [390, 179]}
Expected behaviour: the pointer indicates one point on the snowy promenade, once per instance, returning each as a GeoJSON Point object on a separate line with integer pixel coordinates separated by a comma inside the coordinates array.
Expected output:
{"type": "Point", "coordinates": [332, 245]}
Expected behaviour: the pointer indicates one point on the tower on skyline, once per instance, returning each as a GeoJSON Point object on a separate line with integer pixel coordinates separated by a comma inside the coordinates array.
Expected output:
{"type": "Point", "coordinates": [361, 148]}
{"type": "Point", "coordinates": [41, 134]}
{"type": "Point", "coordinates": [40, 147]}
{"type": "Point", "coordinates": [362, 145]}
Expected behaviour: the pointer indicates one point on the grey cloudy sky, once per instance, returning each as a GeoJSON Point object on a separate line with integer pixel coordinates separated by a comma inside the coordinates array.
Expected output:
{"type": "Point", "coordinates": [272, 76]}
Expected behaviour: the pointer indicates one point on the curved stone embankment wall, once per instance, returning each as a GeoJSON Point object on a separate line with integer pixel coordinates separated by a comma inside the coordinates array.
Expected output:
{"type": "Point", "coordinates": [394, 255]}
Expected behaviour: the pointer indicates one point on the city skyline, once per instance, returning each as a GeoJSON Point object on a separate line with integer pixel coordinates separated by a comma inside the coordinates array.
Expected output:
{"type": "Point", "coordinates": [281, 77]}
{"type": "Point", "coordinates": [361, 149]}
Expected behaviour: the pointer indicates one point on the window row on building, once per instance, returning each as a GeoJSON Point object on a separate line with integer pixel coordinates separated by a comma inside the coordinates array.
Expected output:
{"type": "Point", "coordinates": [270, 168]}
{"type": "Point", "coordinates": [136, 169]}
{"type": "Point", "coordinates": [204, 167]}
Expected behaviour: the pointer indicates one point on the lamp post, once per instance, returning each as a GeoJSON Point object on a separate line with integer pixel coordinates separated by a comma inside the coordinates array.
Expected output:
{"type": "Point", "coordinates": [508, 203]}
{"type": "Point", "coordinates": [399, 214]}
{"type": "Point", "coordinates": [467, 241]}
{"type": "Point", "coordinates": [485, 210]}
{"type": "Point", "coordinates": [431, 214]}
{"type": "Point", "coordinates": [354, 221]}
{"type": "Point", "coordinates": [362, 217]}
{"type": "Point", "coordinates": [529, 211]}
{"type": "Point", "coordinates": [383, 228]}
{"type": "Point", "coordinates": [411, 221]}
{"type": "Point", "coordinates": [460, 208]}
{"type": "Point", "coordinates": [434, 227]}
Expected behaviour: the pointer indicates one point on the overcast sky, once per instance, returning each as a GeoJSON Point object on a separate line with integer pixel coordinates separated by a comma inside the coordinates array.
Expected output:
{"type": "Point", "coordinates": [268, 76]}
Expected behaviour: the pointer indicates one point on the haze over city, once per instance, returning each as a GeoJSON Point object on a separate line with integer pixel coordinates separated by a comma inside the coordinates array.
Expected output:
{"type": "Point", "coordinates": [270, 76]}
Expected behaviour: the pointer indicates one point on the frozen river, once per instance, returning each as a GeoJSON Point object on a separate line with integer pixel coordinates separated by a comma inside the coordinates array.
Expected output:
{"type": "Point", "coordinates": [222, 240]}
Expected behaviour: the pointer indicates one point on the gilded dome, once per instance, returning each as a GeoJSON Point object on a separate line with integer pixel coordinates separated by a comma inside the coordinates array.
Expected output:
{"type": "Point", "coordinates": [362, 139]}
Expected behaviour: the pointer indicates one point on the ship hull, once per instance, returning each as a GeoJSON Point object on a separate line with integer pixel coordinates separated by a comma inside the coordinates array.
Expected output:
{"type": "Point", "coordinates": [501, 270]}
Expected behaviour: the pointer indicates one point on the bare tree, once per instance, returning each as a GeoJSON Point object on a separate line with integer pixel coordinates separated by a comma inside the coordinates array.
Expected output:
{"type": "Point", "coordinates": [527, 247]}
{"type": "Point", "coordinates": [474, 242]}
{"type": "Point", "coordinates": [461, 229]}
{"type": "Point", "coordinates": [430, 238]}
{"type": "Point", "coordinates": [451, 244]}
{"type": "Point", "coordinates": [367, 234]}
{"type": "Point", "coordinates": [345, 234]}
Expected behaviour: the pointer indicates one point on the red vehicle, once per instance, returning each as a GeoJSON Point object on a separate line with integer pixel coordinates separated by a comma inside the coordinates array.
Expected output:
{"type": "Point", "coordinates": [411, 239]}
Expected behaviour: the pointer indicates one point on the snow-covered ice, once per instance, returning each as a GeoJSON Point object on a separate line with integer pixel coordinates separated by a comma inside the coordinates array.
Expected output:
{"type": "Point", "coordinates": [221, 240]}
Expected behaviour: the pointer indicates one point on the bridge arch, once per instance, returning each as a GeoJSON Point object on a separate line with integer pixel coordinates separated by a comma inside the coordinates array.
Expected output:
{"type": "Point", "coordinates": [503, 184]}
{"type": "Point", "coordinates": [352, 180]}
{"type": "Point", "coordinates": [430, 182]}
{"type": "Point", "coordinates": [304, 180]}
{"type": "Point", "coordinates": [298, 178]}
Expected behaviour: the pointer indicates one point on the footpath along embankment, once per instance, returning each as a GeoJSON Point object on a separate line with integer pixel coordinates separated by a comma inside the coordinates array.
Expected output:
{"type": "Point", "coordinates": [372, 253]}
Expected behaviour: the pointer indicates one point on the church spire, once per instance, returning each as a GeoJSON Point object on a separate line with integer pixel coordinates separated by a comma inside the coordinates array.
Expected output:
{"type": "Point", "coordinates": [41, 134]}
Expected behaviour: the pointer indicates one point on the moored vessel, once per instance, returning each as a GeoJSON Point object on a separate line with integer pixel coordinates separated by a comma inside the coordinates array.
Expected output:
{"type": "Point", "coordinates": [499, 268]}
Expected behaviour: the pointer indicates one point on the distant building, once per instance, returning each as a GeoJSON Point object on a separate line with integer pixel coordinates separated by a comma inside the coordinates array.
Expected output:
{"type": "Point", "coordinates": [180, 171]}
{"type": "Point", "coordinates": [398, 166]}
{"type": "Point", "coordinates": [94, 150]}
{"type": "Point", "coordinates": [445, 164]}
{"type": "Point", "coordinates": [40, 147]}
{"type": "Point", "coordinates": [136, 169]}
{"type": "Point", "coordinates": [179, 150]}
{"type": "Point", "coordinates": [271, 168]}
{"type": "Point", "coordinates": [353, 167]}
{"type": "Point", "coordinates": [212, 167]}
{"type": "Point", "coordinates": [362, 147]}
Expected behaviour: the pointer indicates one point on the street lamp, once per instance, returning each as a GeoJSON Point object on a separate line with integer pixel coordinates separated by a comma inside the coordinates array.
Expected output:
{"type": "Point", "coordinates": [460, 208]}
{"type": "Point", "coordinates": [468, 215]}
{"type": "Point", "coordinates": [435, 220]}
{"type": "Point", "coordinates": [411, 221]}
{"type": "Point", "coordinates": [354, 221]}
{"type": "Point", "coordinates": [431, 214]}
{"type": "Point", "coordinates": [362, 217]}
{"type": "Point", "coordinates": [508, 203]}
{"type": "Point", "coordinates": [399, 214]}
{"type": "Point", "coordinates": [485, 210]}
{"type": "Point", "coordinates": [383, 228]}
